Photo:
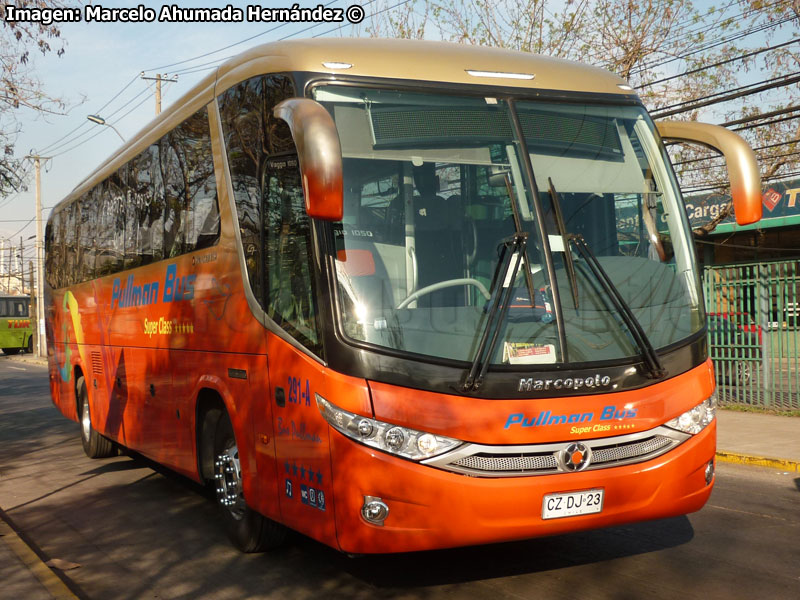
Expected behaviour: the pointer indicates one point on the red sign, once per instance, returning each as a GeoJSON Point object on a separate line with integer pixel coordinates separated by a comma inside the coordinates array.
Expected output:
{"type": "Point", "coordinates": [771, 198]}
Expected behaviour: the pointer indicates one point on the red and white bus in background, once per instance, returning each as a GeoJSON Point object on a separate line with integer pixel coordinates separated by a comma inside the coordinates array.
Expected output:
{"type": "Point", "coordinates": [396, 296]}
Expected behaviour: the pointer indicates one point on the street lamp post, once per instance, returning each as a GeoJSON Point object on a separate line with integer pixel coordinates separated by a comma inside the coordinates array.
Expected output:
{"type": "Point", "coordinates": [101, 121]}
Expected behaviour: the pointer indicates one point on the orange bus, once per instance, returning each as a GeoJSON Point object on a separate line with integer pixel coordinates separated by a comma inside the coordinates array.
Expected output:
{"type": "Point", "coordinates": [396, 296]}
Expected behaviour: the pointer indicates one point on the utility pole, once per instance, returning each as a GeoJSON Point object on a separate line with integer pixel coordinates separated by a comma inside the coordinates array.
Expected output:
{"type": "Point", "coordinates": [158, 79]}
{"type": "Point", "coordinates": [34, 309]}
{"type": "Point", "coordinates": [21, 265]}
{"type": "Point", "coordinates": [39, 249]}
{"type": "Point", "coordinates": [10, 261]}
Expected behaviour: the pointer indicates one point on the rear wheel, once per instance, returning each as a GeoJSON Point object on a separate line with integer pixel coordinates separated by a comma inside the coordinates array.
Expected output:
{"type": "Point", "coordinates": [29, 348]}
{"type": "Point", "coordinates": [248, 530]}
{"type": "Point", "coordinates": [94, 444]}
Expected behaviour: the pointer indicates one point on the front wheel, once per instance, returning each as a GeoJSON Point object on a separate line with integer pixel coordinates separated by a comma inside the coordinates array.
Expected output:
{"type": "Point", "coordinates": [248, 530]}
{"type": "Point", "coordinates": [94, 444]}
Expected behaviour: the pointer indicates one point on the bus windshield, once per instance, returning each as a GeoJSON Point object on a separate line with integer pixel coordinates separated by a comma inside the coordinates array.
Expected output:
{"type": "Point", "coordinates": [437, 188]}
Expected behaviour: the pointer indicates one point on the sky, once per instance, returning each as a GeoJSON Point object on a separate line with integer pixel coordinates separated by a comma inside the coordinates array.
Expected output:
{"type": "Point", "coordinates": [101, 59]}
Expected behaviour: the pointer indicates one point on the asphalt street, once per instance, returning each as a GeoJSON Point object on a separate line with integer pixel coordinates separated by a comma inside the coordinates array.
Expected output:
{"type": "Point", "coordinates": [127, 529]}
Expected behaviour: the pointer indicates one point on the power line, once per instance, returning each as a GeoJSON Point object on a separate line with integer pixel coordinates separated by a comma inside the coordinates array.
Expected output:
{"type": "Point", "coordinates": [766, 115]}
{"type": "Point", "coordinates": [184, 61]}
{"type": "Point", "coordinates": [732, 38]}
{"type": "Point", "coordinates": [720, 63]}
{"type": "Point", "coordinates": [771, 157]}
{"type": "Point", "coordinates": [722, 185]}
{"type": "Point", "coordinates": [772, 122]}
{"type": "Point", "coordinates": [719, 97]}
{"type": "Point", "coordinates": [719, 157]}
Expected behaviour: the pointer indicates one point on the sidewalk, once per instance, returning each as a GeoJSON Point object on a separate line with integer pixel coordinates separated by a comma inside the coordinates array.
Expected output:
{"type": "Point", "coordinates": [759, 439]}
{"type": "Point", "coordinates": [24, 574]}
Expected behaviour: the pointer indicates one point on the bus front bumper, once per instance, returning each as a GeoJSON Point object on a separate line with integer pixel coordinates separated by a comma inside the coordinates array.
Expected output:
{"type": "Point", "coordinates": [430, 508]}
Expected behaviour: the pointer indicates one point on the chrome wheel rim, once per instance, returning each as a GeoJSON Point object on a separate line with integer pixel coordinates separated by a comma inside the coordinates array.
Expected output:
{"type": "Point", "coordinates": [228, 475]}
{"type": "Point", "coordinates": [86, 421]}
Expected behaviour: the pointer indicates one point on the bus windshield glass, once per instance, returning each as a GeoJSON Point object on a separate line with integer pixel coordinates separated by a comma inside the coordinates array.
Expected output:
{"type": "Point", "coordinates": [437, 188]}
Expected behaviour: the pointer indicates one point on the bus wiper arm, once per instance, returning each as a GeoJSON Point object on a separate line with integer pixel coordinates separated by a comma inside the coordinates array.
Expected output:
{"type": "Point", "coordinates": [562, 229]}
{"type": "Point", "coordinates": [655, 369]}
{"type": "Point", "coordinates": [502, 289]}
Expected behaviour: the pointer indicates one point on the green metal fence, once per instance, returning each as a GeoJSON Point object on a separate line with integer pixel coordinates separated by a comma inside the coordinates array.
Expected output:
{"type": "Point", "coordinates": [754, 332]}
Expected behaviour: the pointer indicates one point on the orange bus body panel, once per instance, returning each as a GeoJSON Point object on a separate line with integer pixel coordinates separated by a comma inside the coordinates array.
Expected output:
{"type": "Point", "coordinates": [504, 421]}
{"type": "Point", "coordinates": [147, 341]}
{"type": "Point", "coordinates": [432, 509]}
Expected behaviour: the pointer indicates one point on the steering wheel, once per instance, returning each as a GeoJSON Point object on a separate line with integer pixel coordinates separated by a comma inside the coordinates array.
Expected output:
{"type": "Point", "coordinates": [440, 285]}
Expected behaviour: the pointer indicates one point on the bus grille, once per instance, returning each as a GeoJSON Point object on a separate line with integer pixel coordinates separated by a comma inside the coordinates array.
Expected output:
{"type": "Point", "coordinates": [530, 462]}
{"type": "Point", "coordinates": [543, 459]}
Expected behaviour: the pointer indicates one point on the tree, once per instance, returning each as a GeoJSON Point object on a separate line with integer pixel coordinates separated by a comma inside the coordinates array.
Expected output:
{"type": "Point", "coordinates": [20, 89]}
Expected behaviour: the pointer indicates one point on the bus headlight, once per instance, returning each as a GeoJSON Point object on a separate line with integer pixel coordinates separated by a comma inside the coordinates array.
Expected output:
{"type": "Point", "coordinates": [695, 420]}
{"type": "Point", "coordinates": [400, 441]}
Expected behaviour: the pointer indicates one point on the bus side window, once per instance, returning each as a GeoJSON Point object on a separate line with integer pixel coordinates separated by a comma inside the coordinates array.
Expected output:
{"type": "Point", "coordinates": [174, 209]}
{"type": "Point", "coordinates": [52, 252]}
{"type": "Point", "coordinates": [191, 218]}
{"type": "Point", "coordinates": [144, 178]}
{"type": "Point", "coordinates": [3, 309]}
{"type": "Point", "coordinates": [116, 197]}
{"type": "Point", "coordinates": [291, 289]}
{"type": "Point", "coordinates": [105, 232]}
{"type": "Point", "coordinates": [86, 237]}
{"type": "Point", "coordinates": [251, 133]}
{"type": "Point", "coordinates": [71, 244]}
{"type": "Point", "coordinates": [202, 218]}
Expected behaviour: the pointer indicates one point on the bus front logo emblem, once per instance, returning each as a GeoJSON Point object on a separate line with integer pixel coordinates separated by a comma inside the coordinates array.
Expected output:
{"type": "Point", "coordinates": [574, 457]}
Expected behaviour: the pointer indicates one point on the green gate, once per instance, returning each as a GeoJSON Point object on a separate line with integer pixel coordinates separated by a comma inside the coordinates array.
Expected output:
{"type": "Point", "coordinates": [753, 331]}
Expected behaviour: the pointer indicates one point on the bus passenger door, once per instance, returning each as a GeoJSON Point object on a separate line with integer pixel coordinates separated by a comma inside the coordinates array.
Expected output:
{"type": "Point", "coordinates": [290, 300]}
{"type": "Point", "coordinates": [301, 442]}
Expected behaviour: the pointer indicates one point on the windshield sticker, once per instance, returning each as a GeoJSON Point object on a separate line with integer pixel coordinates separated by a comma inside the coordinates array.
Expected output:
{"type": "Point", "coordinates": [547, 418]}
{"type": "Point", "coordinates": [524, 353]}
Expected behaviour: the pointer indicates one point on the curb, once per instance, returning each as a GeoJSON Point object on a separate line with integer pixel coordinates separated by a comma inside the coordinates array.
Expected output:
{"type": "Point", "coordinates": [51, 582]}
{"type": "Point", "coordinates": [759, 461]}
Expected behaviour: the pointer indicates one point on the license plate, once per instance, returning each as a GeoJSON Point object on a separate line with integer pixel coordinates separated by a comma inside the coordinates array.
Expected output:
{"type": "Point", "coordinates": [570, 504]}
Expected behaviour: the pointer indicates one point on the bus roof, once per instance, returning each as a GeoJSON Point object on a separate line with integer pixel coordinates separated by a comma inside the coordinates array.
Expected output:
{"type": "Point", "coordinates": [412, 60]}
{"type": "Point", "coordinates": [421, 61]}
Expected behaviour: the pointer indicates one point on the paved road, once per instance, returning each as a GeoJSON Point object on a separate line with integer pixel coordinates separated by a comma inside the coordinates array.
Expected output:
{"type": "Point", "coordinates": [139, 532]}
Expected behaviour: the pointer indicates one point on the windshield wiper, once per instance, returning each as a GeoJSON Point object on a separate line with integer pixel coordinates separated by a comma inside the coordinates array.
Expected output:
{"type": "Point", "coordinates": [562, 229]}
{"type": "Point", "coordinates": [502, 289]}
{"type": "Point", "coordinates": [655, 369]}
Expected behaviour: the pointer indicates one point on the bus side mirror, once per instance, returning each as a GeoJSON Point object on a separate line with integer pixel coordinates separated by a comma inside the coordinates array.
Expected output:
{"type": "Point", "coordinates": [319, 154]}
{"type": "Point", "coordinates": [739, 157]}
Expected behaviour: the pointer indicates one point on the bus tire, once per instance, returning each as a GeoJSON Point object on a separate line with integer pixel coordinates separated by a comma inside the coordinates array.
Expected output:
{"type": "Point", "coordinates": [29, 347]}
{"type": "Point", "coordinates": [94, 444]}
{"type": "Point", "coordinates": [11, 351]}
{"type": "Point", "coordinates": [248, 530]}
